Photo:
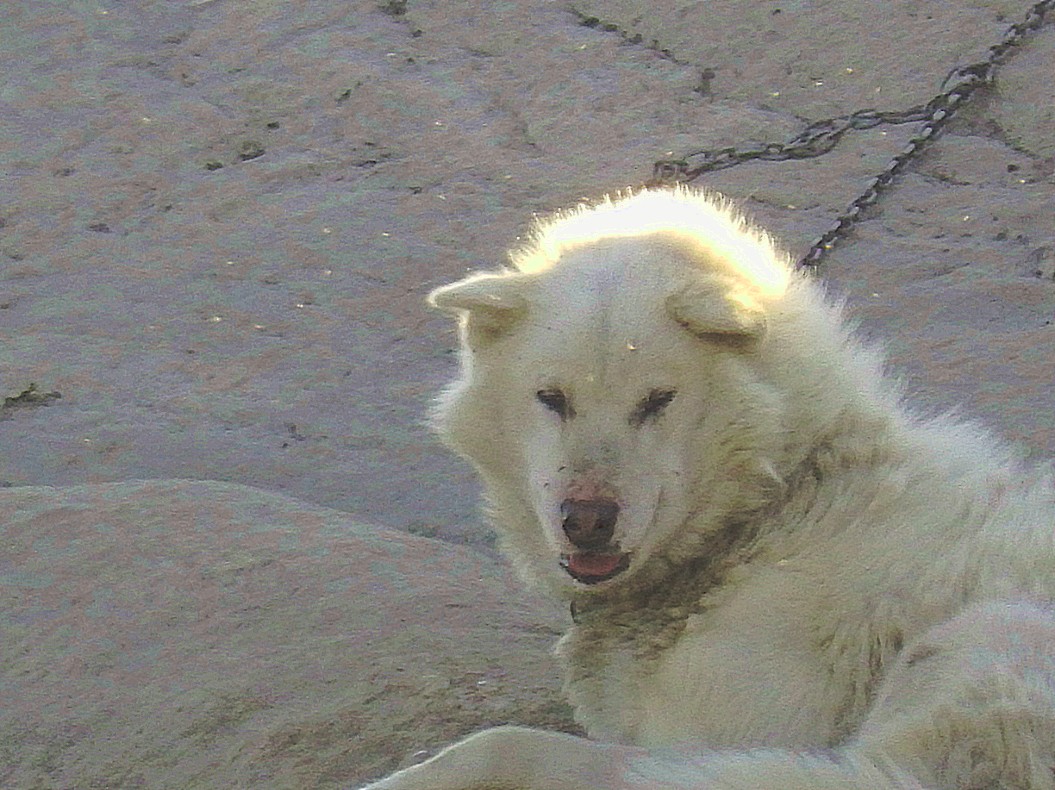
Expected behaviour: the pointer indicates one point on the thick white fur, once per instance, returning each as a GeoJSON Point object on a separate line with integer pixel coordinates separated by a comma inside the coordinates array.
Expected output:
{"type": "Point", "coordinates": [824, 590]}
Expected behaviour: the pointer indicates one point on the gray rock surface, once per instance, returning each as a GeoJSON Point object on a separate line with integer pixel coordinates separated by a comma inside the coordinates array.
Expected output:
{"type": "Point", "coordinates": [201, 634]}
{"type": "Point", "coordinates": [218, 221]}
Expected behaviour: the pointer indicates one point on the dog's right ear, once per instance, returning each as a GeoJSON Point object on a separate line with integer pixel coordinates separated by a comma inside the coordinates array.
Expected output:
{"type": "Point", "coordinates": [487, 305]}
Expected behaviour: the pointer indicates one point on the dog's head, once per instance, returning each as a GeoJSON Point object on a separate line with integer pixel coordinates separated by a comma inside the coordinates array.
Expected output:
{"type": "Point", "coordinates": [609, 395]}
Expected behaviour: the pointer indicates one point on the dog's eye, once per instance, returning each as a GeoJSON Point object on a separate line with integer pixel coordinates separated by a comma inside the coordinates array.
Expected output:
{"type": "Point", "coordinates": [652, 405]}
{"type": "Point", "coordinates": [556, 401]}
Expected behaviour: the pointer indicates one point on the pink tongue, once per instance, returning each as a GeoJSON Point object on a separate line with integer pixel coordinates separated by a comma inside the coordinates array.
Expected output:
{"type": "Point", "coordinates": [593, 564]}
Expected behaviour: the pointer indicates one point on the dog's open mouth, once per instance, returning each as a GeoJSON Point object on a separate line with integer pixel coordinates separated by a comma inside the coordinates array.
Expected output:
{"type": "Point", "coordinates": [590, 567]}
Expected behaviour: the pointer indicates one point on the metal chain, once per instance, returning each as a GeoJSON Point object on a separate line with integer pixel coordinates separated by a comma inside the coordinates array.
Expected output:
{"type": "Point", "coordinates": [821, 137]}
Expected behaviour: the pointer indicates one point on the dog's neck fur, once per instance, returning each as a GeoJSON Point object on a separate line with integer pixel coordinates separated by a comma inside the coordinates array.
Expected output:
{"type": "Point", "coordinates": [665, 582]}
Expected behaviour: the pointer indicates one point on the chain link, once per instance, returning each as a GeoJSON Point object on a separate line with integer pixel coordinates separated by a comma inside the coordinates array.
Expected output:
{"type": "Point", "coordinates": [822, 136]}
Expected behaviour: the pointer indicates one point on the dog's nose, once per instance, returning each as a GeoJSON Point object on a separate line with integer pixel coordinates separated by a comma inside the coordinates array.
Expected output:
{"type": "Point", "coordinates": [589, 523]}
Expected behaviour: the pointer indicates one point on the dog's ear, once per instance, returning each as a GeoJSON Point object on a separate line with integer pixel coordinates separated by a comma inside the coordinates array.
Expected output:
{"type": "Point", "coordinates": [487, 305]}
{"type": "Point", "coordinates": [711, 312]}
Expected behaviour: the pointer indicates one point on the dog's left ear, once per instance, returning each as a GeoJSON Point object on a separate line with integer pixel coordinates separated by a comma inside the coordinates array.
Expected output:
{"type": "Point", "coordinates": [488, 305]}
{"type": "Point", "coordinates": [709, 311]}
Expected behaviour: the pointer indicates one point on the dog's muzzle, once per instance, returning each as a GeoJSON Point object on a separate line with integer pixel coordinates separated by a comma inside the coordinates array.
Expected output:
{"type": "Point", "coordinates": [589, 525]}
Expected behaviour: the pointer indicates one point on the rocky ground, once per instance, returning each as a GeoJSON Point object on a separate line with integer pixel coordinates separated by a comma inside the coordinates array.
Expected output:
{"type": "Point", "coordinates": [218, 220]}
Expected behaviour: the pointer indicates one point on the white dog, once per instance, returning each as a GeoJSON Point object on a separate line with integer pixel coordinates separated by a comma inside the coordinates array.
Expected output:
{"type": "Point", "coordinates": [780, 577]}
